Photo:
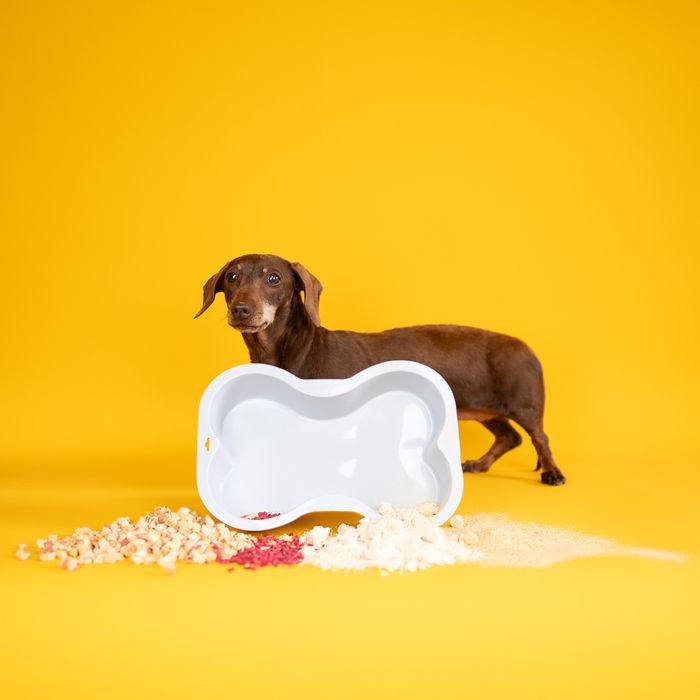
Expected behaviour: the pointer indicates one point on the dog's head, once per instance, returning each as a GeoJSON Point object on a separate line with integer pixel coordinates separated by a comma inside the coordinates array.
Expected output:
{"type": "Point", "coordinates": [257, 286]}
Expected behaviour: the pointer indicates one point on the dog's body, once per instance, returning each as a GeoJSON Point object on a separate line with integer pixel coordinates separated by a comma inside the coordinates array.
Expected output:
{"type": "Point", "coordinates": [494, 377]}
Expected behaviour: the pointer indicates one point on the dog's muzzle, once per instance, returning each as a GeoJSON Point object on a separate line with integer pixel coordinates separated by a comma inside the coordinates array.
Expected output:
{"type": "Point", "coordinates": [243, 319]}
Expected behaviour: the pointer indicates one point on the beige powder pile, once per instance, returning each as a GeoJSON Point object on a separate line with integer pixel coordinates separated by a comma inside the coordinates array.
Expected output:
{"type": "Point", "coordinates": [503, 542]}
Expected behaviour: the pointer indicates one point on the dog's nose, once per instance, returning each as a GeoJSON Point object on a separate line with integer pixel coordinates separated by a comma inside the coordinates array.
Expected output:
{"type": "Point", "coordinates": [241, 310]}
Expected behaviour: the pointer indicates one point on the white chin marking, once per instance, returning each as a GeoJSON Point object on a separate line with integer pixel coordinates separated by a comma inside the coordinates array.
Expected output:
{"type": "Point", "coordinates": [268, 315]}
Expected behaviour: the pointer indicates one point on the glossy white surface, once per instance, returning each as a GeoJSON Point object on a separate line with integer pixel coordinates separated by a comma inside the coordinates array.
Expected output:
{"type": "Point", "coordinates": [269, 441]}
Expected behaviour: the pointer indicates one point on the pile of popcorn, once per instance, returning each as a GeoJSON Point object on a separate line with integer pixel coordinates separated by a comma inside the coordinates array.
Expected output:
{"type": "Point", "coordinates": [161, 537]}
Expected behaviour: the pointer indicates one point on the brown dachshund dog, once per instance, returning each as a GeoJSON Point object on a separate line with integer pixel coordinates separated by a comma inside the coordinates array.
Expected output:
{"type": "Point", "coordinates": [495, 378]}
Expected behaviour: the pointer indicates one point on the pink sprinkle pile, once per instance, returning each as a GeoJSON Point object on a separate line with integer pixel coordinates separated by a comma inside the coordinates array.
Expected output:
{"type": "Point", "coordinates": [267, 551]}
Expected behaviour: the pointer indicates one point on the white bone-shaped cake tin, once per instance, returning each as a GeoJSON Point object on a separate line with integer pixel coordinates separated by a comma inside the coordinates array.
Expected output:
{"type": "Point", "coordinates": [271, 443]}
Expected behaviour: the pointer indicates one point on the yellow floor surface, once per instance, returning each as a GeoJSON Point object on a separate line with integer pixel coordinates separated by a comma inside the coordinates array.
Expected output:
{"type": "Point", "coordinates": [593, 628]}
{"type": "Point", "coordinates": [525, 167]}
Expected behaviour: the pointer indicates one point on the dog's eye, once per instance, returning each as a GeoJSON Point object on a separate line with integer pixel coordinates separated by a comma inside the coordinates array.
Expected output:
{"type": "Point", "coordinates": [231, 277]}
{"type": "Point", "coordinates": [273, 278]}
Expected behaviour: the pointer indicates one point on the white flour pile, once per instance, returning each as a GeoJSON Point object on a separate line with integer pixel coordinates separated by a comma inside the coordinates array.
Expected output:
{"type": "Point", "coordinates": [400, 539]}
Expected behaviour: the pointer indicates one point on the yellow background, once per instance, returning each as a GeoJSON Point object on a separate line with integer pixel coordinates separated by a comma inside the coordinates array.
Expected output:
{"type": "Point", "coordinates": [528, 167]}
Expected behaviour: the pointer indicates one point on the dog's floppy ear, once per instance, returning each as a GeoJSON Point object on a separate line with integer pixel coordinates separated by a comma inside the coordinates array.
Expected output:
{"type": "Point", "coordinates": [312, 291]}
{"type": "Point", "coordinates": [213, 285]}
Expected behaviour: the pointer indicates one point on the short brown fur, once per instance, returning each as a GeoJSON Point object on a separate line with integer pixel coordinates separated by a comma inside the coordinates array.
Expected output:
{"type": "Point", "coordinates": [495, 378]}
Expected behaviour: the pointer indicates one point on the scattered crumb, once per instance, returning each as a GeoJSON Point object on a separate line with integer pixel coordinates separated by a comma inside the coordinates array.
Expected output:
{"type": "Point", "coordinates": [167, 564]}
{"type": "Point", "coordinates": [316, 536]}
{"type": "Point", "coordinates": [69, 564]}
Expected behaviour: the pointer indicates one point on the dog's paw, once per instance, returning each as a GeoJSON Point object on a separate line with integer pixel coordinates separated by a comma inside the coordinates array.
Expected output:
{"type": "Point", "coordinates": [553, 478]}
{"type": "Point", "coordinates": [475, 466]}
